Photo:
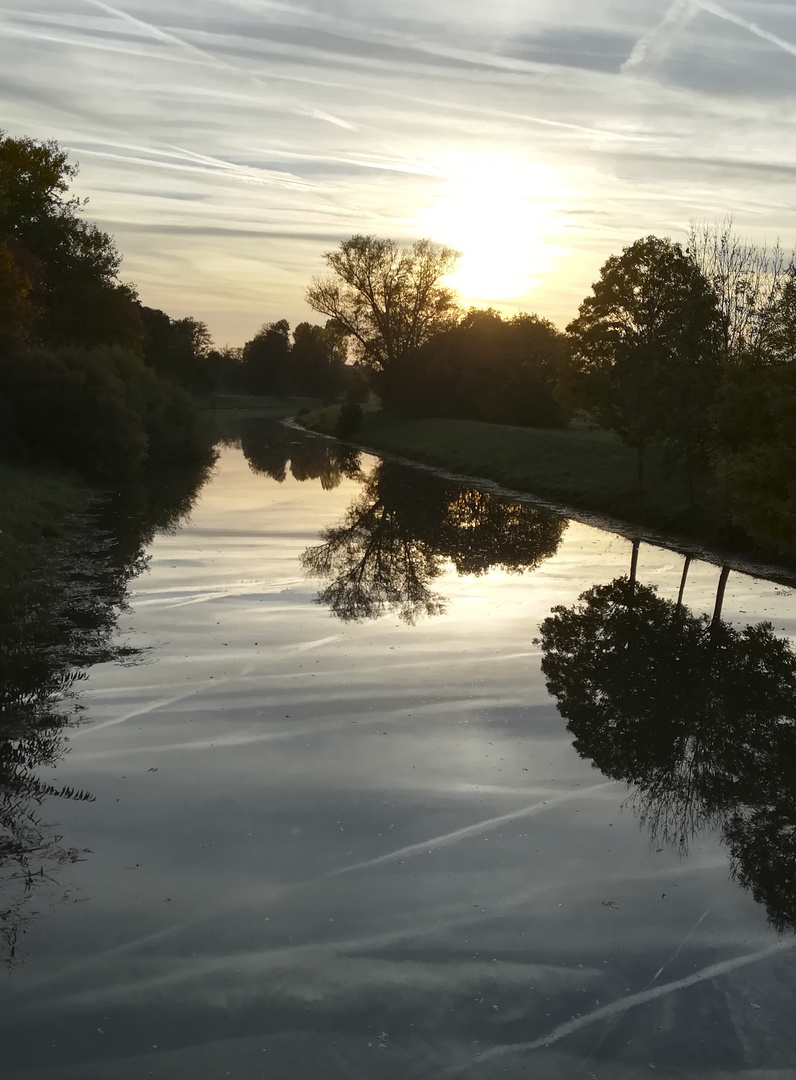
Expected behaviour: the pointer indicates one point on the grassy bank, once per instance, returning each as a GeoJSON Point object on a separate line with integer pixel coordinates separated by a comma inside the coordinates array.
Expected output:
{"type": "Point", "coordinates": [34, 504]}
{"type": "Point", "coordinates": [587, 469]}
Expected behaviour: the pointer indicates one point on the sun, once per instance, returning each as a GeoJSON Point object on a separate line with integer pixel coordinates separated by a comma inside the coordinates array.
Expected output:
{"type": "Point", "coordinates": [503, 213]}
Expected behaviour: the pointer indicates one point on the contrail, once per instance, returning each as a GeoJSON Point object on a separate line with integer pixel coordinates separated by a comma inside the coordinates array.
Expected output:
{"type": "Point", "coordinates": [753, 28]}
{"type": "Point", "coordinates": [469, 830]}
{"type": "Point", "coordinates": [215, 61]}
{"type": "Point", "coordinates": [162, 35]}
{"type": "Point", "coordinates": [655, 42]}
{"type": "Point", "coordinates": [714, 971]}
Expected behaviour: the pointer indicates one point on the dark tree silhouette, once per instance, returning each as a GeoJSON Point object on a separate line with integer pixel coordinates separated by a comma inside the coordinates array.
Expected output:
{"type": "Point", "coordinates": [648, 341]}
{"type": "Point", "coordinates": [53, 627]}
{"type": "Point", "coordinates": [400, 532]}
{"type": "Point", "coordinates": [699, 717]}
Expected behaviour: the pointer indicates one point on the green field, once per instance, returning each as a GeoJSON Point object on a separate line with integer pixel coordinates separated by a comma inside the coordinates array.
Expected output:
{"type": "Point", "coordinates": [576, 466]}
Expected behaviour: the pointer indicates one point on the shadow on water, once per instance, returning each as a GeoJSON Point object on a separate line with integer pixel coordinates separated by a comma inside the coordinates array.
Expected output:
{"type": "Point", "coordinates": [55, 625]}
{"type": "Point", "coordinates": [699, 717]}
{"type": "Point", "coordinates": [406, 526]}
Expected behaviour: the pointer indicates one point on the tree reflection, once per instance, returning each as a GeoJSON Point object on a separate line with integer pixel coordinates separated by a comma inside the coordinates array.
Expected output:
{"type": "Point", "coordinates": [698, 716]}
{"type": "Point", "coordinates": [271, 449]}
{"type": "Point", "coordinates": [56, 624]}
{"type": "Point", "coordinates": [397, 536]}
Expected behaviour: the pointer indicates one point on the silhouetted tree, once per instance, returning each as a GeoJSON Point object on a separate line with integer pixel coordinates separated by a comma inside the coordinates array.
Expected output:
{"type": "Point", "coordinates": [266, 359]}
{"type": "Point", "coordinates": [54, 625]}
{"type": "Point", "coordinates": [388, 299]}
{"type": "Point", "coordinates": [699, 717]}
{"type": "Point", "coordinates": [648, 341]}
{"type": "Point", "coordinates": [488, 368]}
{"type": "Point", "coordinates": [398, 535]}
{"type": "Point", "coordinates": [317, 359]}
{"type": "Point", "coordinates": [178, 348]}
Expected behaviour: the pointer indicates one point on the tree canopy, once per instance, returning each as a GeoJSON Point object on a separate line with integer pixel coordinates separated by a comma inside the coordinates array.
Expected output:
{"type": "Point", "coordinates": [388, 299]}
{"type": "Point", "coordinates": [648, 344]}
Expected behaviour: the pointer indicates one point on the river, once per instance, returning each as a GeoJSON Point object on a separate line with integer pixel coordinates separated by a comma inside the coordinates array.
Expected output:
{"type": "Point", "coordinates": [327, 819]}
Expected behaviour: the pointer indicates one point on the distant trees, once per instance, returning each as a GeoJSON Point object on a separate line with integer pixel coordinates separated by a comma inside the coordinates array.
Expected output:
{"type": "Point", "coordinates": [390, 300]}
{"type": "Point", "coordinates": [648, 345]}
{"type": "Point", "coordinates": [311, 361]}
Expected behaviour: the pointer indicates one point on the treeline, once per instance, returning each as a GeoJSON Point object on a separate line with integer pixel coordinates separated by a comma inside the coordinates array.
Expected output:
{"type": "Point", "coordinates": [310, 361]}
{"type": "Point", "coordinates": [90, 378]}
{"type": "Point", "coordinates": [690, 350]}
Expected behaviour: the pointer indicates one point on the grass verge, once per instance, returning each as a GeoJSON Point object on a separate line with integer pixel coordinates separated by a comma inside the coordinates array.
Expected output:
{"type": "Point", "coordinates": [34, 503]}
{"type": "Point", "coordinates": [578, 467]}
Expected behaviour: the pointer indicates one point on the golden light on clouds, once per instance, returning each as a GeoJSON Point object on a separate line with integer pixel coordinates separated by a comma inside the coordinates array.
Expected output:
{"type": "Point", "coordinates": [504, 214]}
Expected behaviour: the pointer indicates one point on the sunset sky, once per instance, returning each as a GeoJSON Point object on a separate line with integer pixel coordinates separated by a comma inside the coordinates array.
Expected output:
{"type": "Point", "coordinates": [228, 143]}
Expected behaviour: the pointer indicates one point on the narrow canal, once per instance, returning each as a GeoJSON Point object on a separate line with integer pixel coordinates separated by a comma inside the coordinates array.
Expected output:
{"type": "Point", "coordinates": [356, 786]}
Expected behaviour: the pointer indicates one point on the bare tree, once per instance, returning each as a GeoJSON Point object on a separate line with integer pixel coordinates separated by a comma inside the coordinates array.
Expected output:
{"type": "Point", "coordinates": [746, 278]}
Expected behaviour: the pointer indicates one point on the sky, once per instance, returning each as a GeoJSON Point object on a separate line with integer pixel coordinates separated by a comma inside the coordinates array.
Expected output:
{"type": "Point", "coordinates": [227, 144]}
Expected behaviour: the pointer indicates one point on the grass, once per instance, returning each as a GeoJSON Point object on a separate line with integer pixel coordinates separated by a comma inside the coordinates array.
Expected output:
{"type": "Point", "coordinates": [34, 503]}
{"type": "Point", "coordinates": [576, 466]}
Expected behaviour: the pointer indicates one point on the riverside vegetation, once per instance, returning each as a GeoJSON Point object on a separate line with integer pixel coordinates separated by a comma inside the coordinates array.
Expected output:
{"type": "Point", "coordinates": [670, 399]}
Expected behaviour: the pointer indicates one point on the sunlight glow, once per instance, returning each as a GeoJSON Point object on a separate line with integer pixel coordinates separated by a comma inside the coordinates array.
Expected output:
{"type": "Point", "coordinates": [502, 212]}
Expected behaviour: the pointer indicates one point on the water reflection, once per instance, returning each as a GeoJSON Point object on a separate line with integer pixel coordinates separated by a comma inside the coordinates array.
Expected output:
{"type": "Point", "coordinates": [698, 716]}
{"type": "Point", "coordinates": [406, 525]}
{"type": "Point", "coordinates": [272, 449]}
{"type": "Point", "coordinates": [60, 621]}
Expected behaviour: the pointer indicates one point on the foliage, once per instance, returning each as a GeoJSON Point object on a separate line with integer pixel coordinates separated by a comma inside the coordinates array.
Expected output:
{"type": "Point", "coordinates": [698, 716]}
{"type": "Point", "coordinates": [397, 536]}
{"type": "Point", "coordinates": [80, 358]}
{"type": "Point", "coordinates": [71, 264]}
{"type": "Point", "coordinates": [648, 345]}
{"type": "Point", "coordinates": [488, 368]}
{"type": "Point", "coordinates": [753, 463]}
{"type": "Point", "coordinates": [178, 349]}
{"type": "Point", "coordinates": [101, 412]}
{"type": "Point", "coordinates": [388, 299]}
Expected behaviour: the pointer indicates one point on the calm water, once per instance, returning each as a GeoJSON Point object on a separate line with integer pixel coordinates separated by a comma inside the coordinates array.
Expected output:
{"type": "Point", "coordinates": [356, 838]}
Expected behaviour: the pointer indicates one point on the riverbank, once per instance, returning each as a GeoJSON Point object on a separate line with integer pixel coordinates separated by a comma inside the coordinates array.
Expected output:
{"type": "Point", "coordinates": [34, 505]}
{"type": "Point", "coordinates": [581, 468]}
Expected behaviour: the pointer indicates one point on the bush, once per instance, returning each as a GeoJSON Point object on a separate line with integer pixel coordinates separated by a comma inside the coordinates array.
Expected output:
{"type": "Point", "coordinates": [350, 419]}
{"type": "Point", "coordinates": [101, 412]}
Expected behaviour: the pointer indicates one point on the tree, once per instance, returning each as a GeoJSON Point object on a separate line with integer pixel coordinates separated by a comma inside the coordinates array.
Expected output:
{"type": "Point", "coordinates": [266, 359]}
{"type": "Point", "coordinates": [746, 279]}
{"type": "Point", "coordinates": [398, 535]}
{"type": "Point", "coordinates": [648, 343]}
{"type": "Point", "coordinates": [72, 264]}
{"type": "Point", "coordinates": [700, 717]}
{"type": "Point", "coordinates": [177, 348]}
{"type": "Point", "coordinates": [318, 357]}
{"type": "Point", "coordinates": [389, 299]}
{"type": "Point", "coordinates": [17, 312]}
{"type": "Point", "coordinates": [753, 461]}
{"type": "Point", "coordinates": [488, 368]}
